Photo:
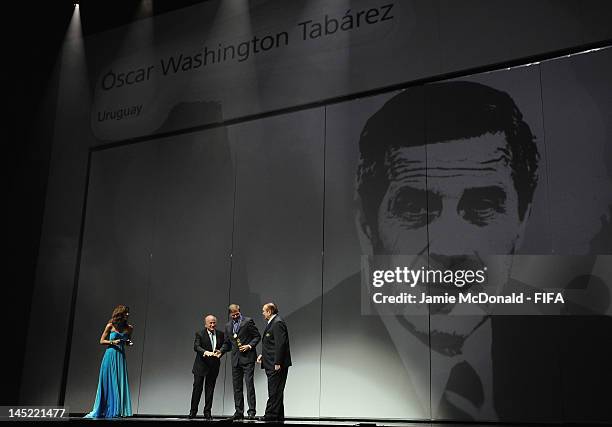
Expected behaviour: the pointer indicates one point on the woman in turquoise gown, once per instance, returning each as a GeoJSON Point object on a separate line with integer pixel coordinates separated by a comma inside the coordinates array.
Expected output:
{"type": "Point", "coordinates": [113, 396]}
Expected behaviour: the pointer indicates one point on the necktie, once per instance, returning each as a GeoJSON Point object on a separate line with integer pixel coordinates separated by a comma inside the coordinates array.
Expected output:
{"type": "Point", "coordinates": [213, 340]}
{"type": "Point", "coordinates": [464, 386]}
{"type": "Point", "coordinates": [236, 325]}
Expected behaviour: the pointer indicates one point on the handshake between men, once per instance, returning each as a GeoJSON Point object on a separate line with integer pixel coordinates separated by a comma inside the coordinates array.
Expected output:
{"type": "Point", "coordinates": [240, 337]}
{"type": "Point", "coordinates": [218, 353]}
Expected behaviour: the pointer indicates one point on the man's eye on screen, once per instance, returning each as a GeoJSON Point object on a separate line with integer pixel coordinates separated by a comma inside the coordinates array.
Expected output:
{"type": "Point", "coordinates": [480, 206]}
{"type": "Point", "coordinates": [411, 206]}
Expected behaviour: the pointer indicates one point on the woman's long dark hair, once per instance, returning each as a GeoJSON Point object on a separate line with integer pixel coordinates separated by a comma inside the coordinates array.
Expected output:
{"type": "Point", "coordinates": [119, 318]}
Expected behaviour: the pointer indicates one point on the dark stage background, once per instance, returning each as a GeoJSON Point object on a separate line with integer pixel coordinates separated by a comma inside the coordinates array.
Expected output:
{"type": "Point", "coordinates": [240, 184]}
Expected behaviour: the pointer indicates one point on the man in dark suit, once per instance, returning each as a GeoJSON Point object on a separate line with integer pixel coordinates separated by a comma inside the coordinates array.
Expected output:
{"type": "Point", "coordinates": [206, 365]}
{"type": "Point", "coordinates": [275, 359]}
{"type": "Point", "coordinates": [241, 338]}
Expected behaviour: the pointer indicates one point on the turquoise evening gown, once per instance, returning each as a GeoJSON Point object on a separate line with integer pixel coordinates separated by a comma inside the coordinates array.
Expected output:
{"type": "Point", "coordinates": [113, 397]}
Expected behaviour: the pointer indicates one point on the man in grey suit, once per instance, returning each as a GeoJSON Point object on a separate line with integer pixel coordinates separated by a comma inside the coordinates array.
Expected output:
{"type": "Point", "coordinates": [241, 338]}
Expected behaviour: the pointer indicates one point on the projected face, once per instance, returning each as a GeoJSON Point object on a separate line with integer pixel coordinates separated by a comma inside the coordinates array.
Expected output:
{"type": "Point", "coordinates": [451, 208]}
{"type": "Point", "coordinates": [469, 207]}
{"type": "Point", "coordinates": [467, 202]}
{"type": "Point", "coordinates": [446, 177]}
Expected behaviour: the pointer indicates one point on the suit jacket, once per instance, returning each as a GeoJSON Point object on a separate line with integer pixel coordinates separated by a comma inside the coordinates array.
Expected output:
{"type": "Point", "coordinates": [275, 345]}
{"type": "Point", "coordinates": [202, 365]}
{"type": "Point", "coordinates": [247, 334]}
{"type": "Point", "coordinates": [527, 352]}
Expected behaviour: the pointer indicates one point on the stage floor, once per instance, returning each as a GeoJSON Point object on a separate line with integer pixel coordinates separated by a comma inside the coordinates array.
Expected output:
{"type": "Point", "coordinates": [319, 422]}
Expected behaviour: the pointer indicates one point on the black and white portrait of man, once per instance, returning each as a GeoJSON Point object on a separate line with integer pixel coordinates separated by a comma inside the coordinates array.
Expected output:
{"type": "Point", "coordinates": [451, 172]}
{"type": "Point", "coordinates": [448, 173]}
{"type": "Point", "coordinates": [471, 187]}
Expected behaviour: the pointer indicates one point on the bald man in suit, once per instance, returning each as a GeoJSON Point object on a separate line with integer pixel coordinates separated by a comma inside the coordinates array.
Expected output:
{"type": "Point", "coordinates": [275, 359]}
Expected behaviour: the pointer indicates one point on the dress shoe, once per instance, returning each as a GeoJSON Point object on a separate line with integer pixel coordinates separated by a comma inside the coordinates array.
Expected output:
{"type": "Point", "coordinates": [208, 417]}
{"type": "Point", "coordinates": [251, 417]}
{"type": "Point", "coordinates": [236, 417]}
{"type": "Point", "coordinates": [191, 416]}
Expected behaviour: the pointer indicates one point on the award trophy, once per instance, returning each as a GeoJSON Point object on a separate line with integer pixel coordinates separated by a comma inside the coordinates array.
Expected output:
{"type": "Point", "coordinates": [238, 343]}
